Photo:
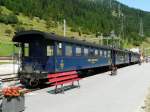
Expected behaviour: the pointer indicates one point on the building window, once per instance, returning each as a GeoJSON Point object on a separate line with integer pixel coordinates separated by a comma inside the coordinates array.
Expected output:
{"type": "Point", "coordinates": [78, 51]}
{"type": "Point", "coordinates": [86, 51]}
{"type": "Point", "coordinates": [50, 50]}
{"type": "Point", "coordinates": [59, 49]}
{"type": "Point", "coordinates": [26, 49]}
{"type": "Point", "coordinates": [68, 50]}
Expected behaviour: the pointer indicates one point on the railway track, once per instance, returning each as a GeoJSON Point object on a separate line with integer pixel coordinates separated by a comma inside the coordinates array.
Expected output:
{"type": "Point", "coordinates": [8, 77]}
{"type": "Point", "coordinates": [13, 80]}
{"type": "Point", "coordinates": [9, 80]}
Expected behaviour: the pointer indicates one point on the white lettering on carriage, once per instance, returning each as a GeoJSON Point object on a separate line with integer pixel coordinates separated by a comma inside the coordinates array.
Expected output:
{"type": "Point", "coordinates": [92, 60]}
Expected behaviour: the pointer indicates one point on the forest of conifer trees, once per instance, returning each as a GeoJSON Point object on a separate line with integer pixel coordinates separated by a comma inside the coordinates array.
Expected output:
{"type": "Point", "coordinates": [87, 16]}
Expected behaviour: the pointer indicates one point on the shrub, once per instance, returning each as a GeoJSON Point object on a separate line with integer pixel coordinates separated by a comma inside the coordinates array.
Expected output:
{"type": "Point", "coordinates": [9, 19]}
{"type": "Point", "coordinates": [19, 28]}
{"type": "Point", "coordinates": [12, 19]}
{"type": "Point", "coordinates": [8, 32]}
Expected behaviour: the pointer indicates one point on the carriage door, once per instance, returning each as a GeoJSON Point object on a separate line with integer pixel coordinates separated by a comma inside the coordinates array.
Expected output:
{"type": "Point", "coordinates": [113, 56]}
{"type": "Point", "coordinates": [50, 56]}
{"type": "Point", "coordinates": [37, 49]}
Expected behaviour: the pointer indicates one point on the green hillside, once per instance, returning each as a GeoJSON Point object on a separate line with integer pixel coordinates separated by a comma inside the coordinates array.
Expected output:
{"type": "Point", "coordinates": [85, 18]}
{"type": "Point", "coordinates": [24, 22]}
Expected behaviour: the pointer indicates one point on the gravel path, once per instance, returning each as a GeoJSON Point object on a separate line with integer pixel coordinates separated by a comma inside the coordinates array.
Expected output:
{"type": "Point", "coordinates": [124, 92]}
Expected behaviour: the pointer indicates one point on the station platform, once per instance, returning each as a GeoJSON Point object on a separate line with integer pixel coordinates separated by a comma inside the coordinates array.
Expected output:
{"type": "Point", "coordinates": [124, 92]}
{"type": "Point", "coordinates": [8, 69]}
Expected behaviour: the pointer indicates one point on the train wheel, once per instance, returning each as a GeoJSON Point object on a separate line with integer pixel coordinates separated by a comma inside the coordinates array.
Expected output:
{"type": "Point", "coordinates": [33, 83]}
{"type": "Point", "coordinates": [23, 80]}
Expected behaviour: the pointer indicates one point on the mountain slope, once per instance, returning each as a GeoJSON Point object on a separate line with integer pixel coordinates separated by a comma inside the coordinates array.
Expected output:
{"type": "Point", "coordinates": [85, 16]}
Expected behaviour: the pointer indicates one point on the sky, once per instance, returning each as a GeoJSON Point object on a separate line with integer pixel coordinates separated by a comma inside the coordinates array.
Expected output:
{"type": "Point", "coordinates": [140, 4]}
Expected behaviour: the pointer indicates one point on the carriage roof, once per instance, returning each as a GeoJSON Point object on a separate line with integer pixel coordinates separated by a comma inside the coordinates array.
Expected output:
{"type": "Point", "coordinates": [28, 36]}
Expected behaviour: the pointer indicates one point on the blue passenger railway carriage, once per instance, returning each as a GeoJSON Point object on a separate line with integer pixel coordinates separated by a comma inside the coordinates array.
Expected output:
{"type": "Point", "coordinates": [43, 54]}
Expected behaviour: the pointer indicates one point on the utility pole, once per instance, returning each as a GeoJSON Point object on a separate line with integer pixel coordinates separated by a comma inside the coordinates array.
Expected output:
{"type": "Point", "coordinates": [100, 37]}
{"type": "Point", "coordinates": [64, 28]}
{"type": "Point", "coordinates": [122, 25]}
{"type": "Point", "coordinates": [112, 35]}
{"type": "Point", "coordinates": [119, 10]}
{"type": "Point", "coordinates": [13, 58]}
{"type": "Point", "coordinates": [110, 3]}
{"type": "Point", "coordinates": [141, 33]}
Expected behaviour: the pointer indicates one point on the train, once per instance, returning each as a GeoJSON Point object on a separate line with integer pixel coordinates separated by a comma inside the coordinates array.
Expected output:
{"type": "Point", "coordinates": [44, 53]}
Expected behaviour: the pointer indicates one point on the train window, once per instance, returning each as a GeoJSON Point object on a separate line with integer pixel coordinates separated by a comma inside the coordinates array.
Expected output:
{"type": "Point", "coordinates": [59, 49]}
{"type": "Point", "coordinates": [96, 52]}
{"type": "Point", "coordinates": [26, 49]}
{"type": "Point", "coordinates": [86, 51]}
{"type": "Point", "coordinates": [105, 53]}
{"type": "Point", "coordinates": [49, 50]}
{"type": "Point", "coordinates": [109, 54]}
{"type": "Point", "coordinates": [91, 52]}
{"type": "Point", "coordinates": [101, 53]}
{"type": "Point", "coordinates": [68, 50]}
{"type": "Point", "coordinates": [78, 51]}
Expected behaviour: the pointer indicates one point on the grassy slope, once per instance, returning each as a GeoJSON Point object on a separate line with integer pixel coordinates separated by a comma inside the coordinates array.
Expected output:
{"type": "Point", "coordinates": [32, 24]}
{"type": "Point", "coordinates": [38, 24]}
{"type": "Point", "coordinates": [146, 45]}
